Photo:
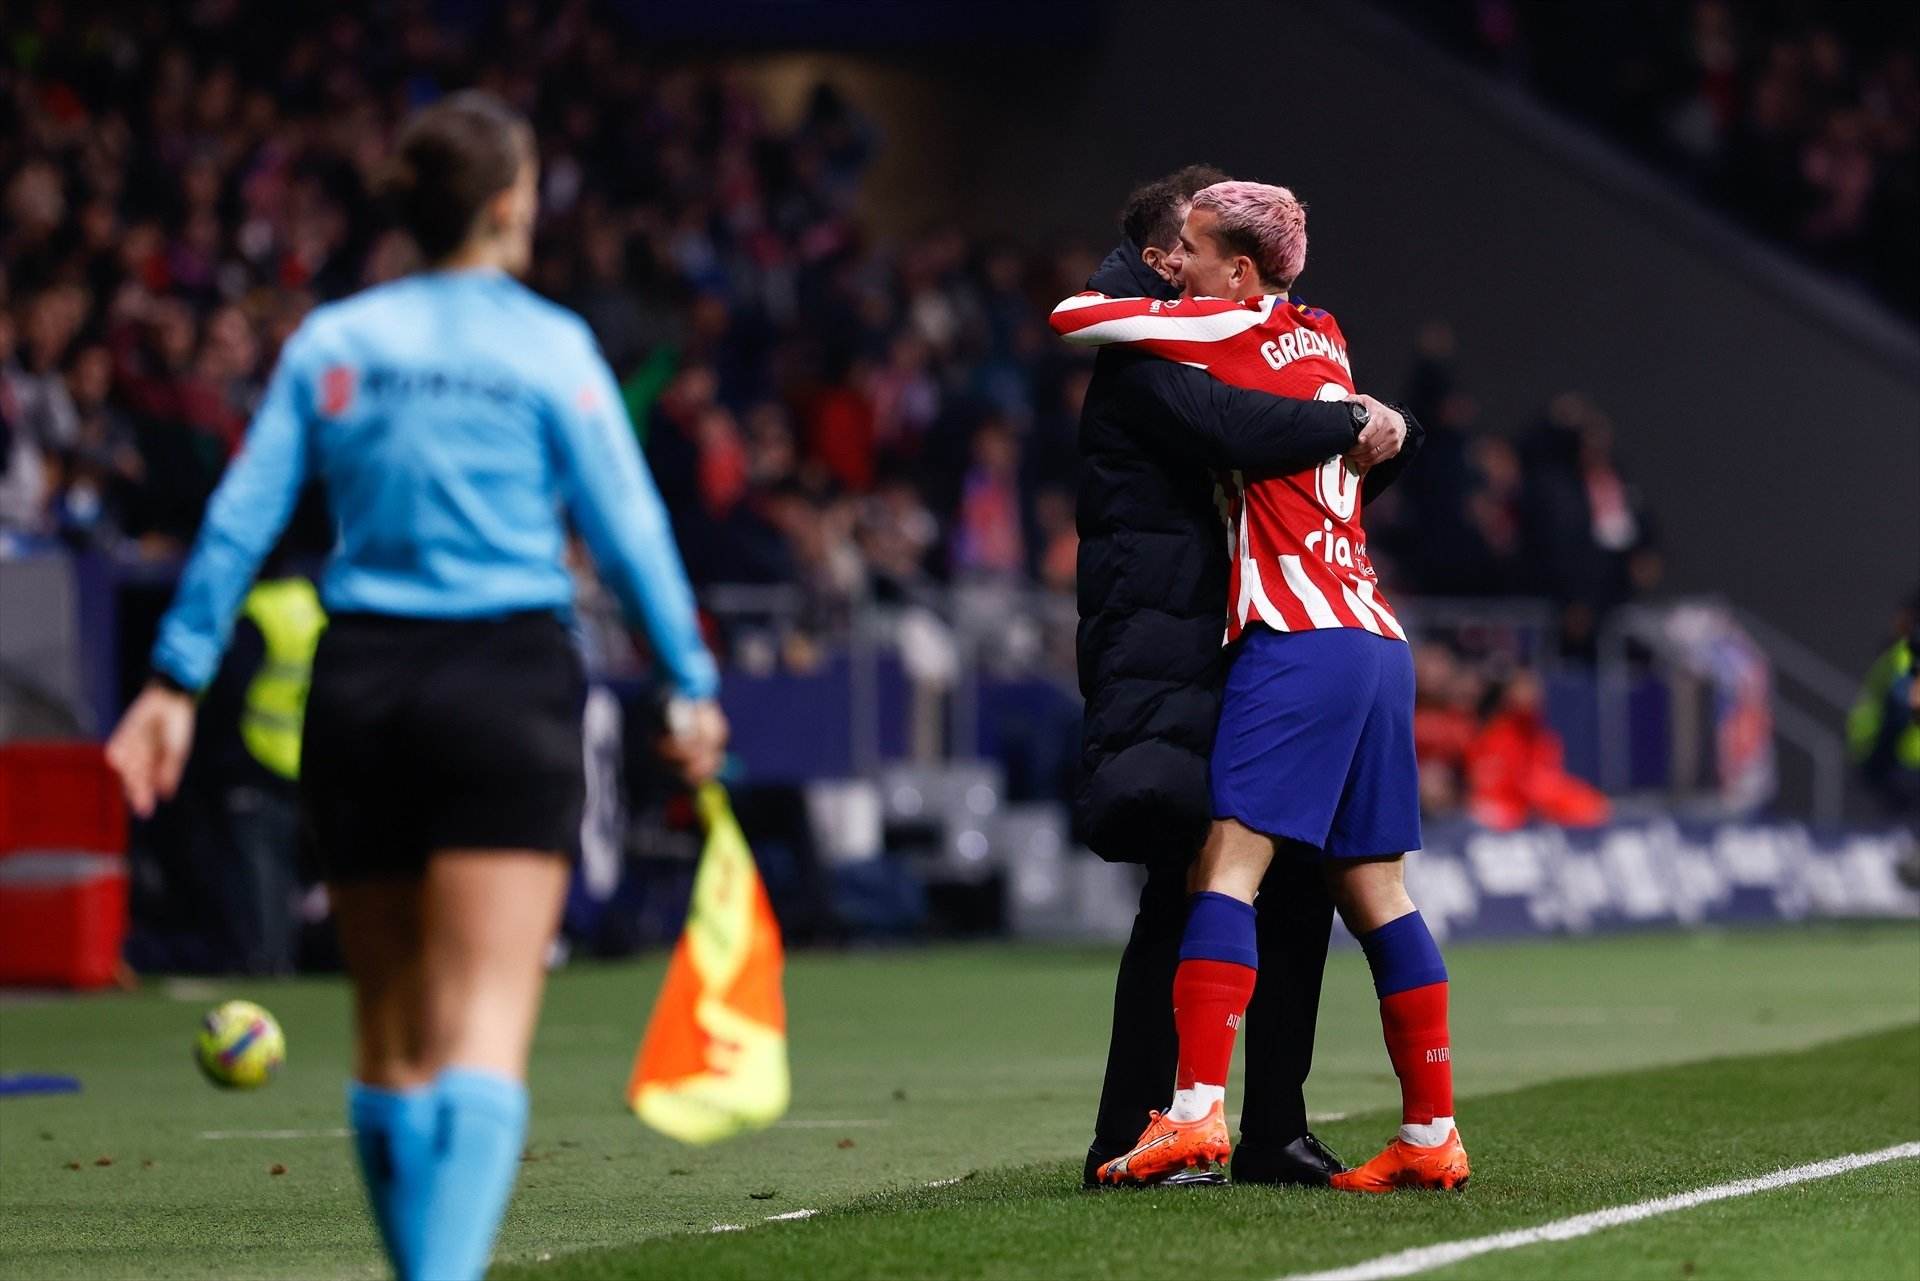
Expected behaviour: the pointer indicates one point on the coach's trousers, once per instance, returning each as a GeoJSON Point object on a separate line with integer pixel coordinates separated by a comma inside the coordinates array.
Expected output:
{"type": "Point", "coordinates": [1294, 917]}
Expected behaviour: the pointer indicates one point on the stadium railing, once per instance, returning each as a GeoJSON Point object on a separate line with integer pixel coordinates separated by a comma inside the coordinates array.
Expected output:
{"type": "Point", "coordinates": [1681, 711]}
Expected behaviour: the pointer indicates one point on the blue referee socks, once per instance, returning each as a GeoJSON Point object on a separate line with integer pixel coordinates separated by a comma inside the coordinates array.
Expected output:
{"type": "Point", "coordinates": [393, 1137]}
{"type": "Point", "coordinates": [440, 1164]}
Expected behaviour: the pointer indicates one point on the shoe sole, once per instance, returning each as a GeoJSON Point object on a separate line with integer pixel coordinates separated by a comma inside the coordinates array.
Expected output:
{"type": "Point", "coordinates": [1198, 1172]}
{"type": "Point", "coordinates": [1179, 1178]}
{"type": "Point", "coordinates": [1460, 1186]}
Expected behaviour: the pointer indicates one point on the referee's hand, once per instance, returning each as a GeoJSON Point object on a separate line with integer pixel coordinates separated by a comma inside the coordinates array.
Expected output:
{"type": "Point", "coordinates": [149, 747]}
{"type": "Point", "coordinates": [1385, 433]}
{"type": "Point", "coordinates": [695, 743]}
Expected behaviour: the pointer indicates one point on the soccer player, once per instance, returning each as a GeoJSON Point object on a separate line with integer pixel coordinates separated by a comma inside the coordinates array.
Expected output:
{"type": "Point", "coordinates": [1152, 578]}
{"type": "Point", "coordinates": [453, 416]}
{"type": "Point", "coordinates": [1315, 744]}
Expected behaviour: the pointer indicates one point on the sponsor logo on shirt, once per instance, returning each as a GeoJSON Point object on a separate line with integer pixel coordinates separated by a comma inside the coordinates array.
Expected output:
{"type": "Point", "coordinates": [336, 390]}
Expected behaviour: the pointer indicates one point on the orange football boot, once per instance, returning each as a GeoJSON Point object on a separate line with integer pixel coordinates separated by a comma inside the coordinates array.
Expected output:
{"type": "Point", "coordinates": [1169, 1148]}
{"type": "Point", "coordinates": [1403, 1165]}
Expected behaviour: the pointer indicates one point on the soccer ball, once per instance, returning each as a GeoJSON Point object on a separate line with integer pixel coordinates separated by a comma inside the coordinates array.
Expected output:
{"type": "Point", "coordinates": [239, 1046]}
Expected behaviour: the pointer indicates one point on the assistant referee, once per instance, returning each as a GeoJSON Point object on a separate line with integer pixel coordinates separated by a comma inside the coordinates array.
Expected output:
{"type": "Point", "coordinates": [455, 420]}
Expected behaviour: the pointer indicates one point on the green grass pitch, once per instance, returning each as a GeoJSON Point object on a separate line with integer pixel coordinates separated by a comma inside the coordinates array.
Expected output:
{"type": "Point", "coordinates": [1591, 1074]}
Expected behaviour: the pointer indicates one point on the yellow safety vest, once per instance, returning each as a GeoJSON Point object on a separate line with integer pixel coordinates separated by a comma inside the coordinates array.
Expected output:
{"type": "Point", "coordinates": [287, 611]}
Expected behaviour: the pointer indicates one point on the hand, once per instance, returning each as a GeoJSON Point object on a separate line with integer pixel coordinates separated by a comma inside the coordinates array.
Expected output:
{"type": "Point", "coordinates": [149, 747]}
{"type": "Point", "coordinates": [696, 740]}
{"type": "Point", "coordinates": [1385, 433]}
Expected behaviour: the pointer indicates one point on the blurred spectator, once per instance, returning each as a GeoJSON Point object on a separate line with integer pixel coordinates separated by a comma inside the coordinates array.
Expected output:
{"type": "Point", "coordinates": [1547, 512]}
{"type": "Point", "coordinates": [1059, 541]}
{"type": "Point", "coordinates": [1516, 768]}
{"type": "Point", "coordinates": [223, 862]}
{"type": "Point", "coordinates": [1588, 541]}
{"type": "Point", "coordinates": [897, 535]}
{"type": "Point", "coordinates": [1804, 120]}
{"type": "Point", "coordinates": [1883, 727]}
{"type": "Point", "coordinates": [1446, 720]}
{"type": "Point", "coordinates": [989, 540]}
{"type": "Point", "coordinates": [105, 471]}
{"type": "Point", "coordinates": [823, 409]}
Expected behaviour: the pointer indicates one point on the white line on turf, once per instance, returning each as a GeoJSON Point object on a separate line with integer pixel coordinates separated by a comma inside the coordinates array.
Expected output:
{"type": "Point", "coordinates": [338, 1133]}
{"type": "Point", "coordinates": [809, 1123]}
{"type": "Point", "coordinates": [728, 1227]}
{"type": "Point", "coordinates": [947, 1183]}
{"type": "Point", "coordinates": [1423, 1258]}
{"type": "Point", "coordinates": [791, 1214]}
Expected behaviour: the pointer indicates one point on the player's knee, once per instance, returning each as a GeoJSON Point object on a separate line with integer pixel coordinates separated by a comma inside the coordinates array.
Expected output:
{"type": "Point", "coordinates": [1234, 862]}
{"type": "Point", "coordinates": [1367, 892]}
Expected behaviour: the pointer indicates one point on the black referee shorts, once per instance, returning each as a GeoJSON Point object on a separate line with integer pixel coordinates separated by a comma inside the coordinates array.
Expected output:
{"type": "Point", "coordinates": [433, 734]}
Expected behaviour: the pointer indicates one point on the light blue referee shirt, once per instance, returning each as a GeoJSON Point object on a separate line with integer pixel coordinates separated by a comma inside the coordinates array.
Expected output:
{"type": "Point", "coordinates": [453, 417]}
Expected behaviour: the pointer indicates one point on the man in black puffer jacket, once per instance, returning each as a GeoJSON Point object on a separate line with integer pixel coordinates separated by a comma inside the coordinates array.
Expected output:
{"type": "Point", "coordinates": [1152, 593]}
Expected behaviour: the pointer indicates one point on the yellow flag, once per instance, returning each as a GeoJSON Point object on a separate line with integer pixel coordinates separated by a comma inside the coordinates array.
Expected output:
{"type": "Point", "coordinates": [714, 1060]}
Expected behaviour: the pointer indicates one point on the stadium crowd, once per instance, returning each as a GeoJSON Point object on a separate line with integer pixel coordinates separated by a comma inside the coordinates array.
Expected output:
{"type": "Point", "coordinates": [823, 407]}
{"type": "Point", "coordinates": [1803, 119]}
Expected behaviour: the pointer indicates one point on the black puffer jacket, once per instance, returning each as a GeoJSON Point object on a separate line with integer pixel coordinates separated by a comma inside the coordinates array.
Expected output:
{"type": "Point", "coordinates": [1153, 573]}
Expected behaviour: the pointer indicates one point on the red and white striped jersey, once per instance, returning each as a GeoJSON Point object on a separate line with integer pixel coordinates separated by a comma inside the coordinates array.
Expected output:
{"type": "Point", "coordinates": [1299, 554]}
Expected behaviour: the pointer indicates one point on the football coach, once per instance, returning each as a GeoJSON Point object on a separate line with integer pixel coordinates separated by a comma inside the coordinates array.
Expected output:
{"type": "Point", "coordinates": [1153, 572]}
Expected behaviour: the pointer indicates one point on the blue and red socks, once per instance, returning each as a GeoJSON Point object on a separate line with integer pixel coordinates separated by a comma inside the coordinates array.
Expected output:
{"type": "Point", "coordinates": [440, 1163]}
{"type": "Point", "coordinates": [1219, 961]}
{"type": "Point", "coordinates": [1410, 979]}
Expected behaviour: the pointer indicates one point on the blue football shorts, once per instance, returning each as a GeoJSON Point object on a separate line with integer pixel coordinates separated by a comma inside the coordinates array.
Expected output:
{"type": "Point", "coordinates": [1315, 742]}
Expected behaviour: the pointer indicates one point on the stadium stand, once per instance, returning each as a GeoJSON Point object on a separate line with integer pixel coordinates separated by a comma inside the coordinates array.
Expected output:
{"type": "Point", "coordinates": [1802, 120]}
{"type": "Point", "coordinates": [840, 415]}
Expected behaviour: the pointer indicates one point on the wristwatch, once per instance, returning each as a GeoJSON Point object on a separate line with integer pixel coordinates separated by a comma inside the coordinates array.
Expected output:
{"type": "Point", "coordinates": [1360, 414]}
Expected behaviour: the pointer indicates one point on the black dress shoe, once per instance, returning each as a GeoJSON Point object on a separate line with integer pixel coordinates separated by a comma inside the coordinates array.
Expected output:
{"type": "Point", "coordinates": [1305, 1161]}
{"type": "Point", "coordinates": [1195, 1178]}
{"type": "Point", "coordinates": [1089, 1177]}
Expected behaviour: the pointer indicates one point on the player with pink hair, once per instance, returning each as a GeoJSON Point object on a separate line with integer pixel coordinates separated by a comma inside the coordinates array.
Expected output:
{"type": "Point", "coordinates": [1267, 225]}
{"type": "Point", "coordinates": [1314, 751]}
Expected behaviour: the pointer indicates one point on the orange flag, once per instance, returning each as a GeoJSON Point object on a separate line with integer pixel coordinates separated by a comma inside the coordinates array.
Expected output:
{"type": "Point", "coordinates": [714, 1060]}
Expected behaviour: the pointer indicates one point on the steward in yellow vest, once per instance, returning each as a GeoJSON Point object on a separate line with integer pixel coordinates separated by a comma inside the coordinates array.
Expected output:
{"type": "Point", "coordinates": [287, 611]}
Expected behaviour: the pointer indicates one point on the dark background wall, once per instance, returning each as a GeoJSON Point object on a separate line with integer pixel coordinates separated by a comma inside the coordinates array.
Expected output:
{"type": "Point", "coordinates": [1781, 452]}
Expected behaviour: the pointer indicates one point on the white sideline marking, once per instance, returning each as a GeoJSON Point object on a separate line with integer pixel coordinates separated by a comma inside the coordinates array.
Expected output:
{"type": "Point", "coordinates": [793, 1215]}
{"type": "Point", "coordinates": [339, 1133]}
{"type": "Point", "coordinates": [1422, 1258]}
{"type": "Point", "coordinates": [807, 1123]}
{"type": "Point", "coordinates": [1325, 1118]}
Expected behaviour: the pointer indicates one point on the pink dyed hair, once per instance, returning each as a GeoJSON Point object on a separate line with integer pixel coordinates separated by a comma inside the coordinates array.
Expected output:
{"type": "Point", "coordinates": [1265, 223]}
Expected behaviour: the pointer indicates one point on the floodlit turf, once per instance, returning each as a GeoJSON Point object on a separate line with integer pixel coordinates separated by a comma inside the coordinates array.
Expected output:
{"type": "Point", "coordinates": [983, 1062]}
{"type": "Point", "coordinates": [1541, 1154]}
